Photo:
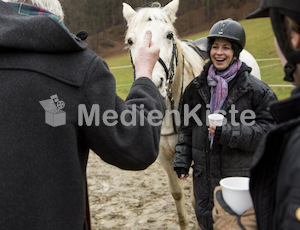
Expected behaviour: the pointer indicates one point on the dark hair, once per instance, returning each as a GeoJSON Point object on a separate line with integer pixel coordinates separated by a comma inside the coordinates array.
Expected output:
{"type": "Point", "coordinates": [291, 25]}
{"type": "Point", "coordinates": [237, 48]}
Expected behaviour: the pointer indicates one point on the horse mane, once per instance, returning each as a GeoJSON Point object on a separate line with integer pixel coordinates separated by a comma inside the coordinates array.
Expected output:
{"type": "Point", "coordinates": [194, 68]}
{"type": "Point", "coordinates": [153, 13]}
{"type": "Point", "coordinates": [156, 4]}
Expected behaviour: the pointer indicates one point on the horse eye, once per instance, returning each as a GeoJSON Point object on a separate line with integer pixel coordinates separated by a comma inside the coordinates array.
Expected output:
{"type": "Point", "coordinates": [130, 42]}
{"type": "Point", "coordinates": [149, 19]}
{"type": "Point", "coordinates": [170, 35]}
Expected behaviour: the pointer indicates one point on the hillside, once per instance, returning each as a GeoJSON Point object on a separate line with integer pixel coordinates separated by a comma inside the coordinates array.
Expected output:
{"type": "Point", "coordinates": [111, 41]}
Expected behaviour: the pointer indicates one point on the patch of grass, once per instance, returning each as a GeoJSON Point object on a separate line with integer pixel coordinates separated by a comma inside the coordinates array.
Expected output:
{"type": "Point", "coordinates": [120, 60]}
{"type": "Point", "coordinates": [282, 92]}
{"type": "Point", "coordinates": [259, 42]}
{"type": "Point", "coordinates": [124, 75]}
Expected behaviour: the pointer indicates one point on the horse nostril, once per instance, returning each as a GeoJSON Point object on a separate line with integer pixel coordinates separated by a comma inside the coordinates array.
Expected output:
{"type": "Point", "coordinates": [170, 35]}
{"type": "Point", "coordinates": [130, 42]}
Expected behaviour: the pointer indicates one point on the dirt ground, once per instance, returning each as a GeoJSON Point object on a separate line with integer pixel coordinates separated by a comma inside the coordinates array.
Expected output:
{"type": "Point", "coordinates": [132, 200]}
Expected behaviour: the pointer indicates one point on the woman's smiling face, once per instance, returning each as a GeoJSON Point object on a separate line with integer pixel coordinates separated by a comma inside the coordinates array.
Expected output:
{"type": "Point", "coordinates": [221, 53]}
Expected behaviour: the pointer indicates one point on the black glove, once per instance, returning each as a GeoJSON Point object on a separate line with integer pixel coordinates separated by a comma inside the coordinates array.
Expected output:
{"type": "Point", "coordinates": [218, 133]}
{"type": "Point", "coordinates": [181, 170]}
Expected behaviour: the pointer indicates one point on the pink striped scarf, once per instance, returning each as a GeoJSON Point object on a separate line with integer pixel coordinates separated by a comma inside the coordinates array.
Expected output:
{"type": "Point", "coordinates": [219, 87]}
{"type": "Point", "coordinates": [219, 84]}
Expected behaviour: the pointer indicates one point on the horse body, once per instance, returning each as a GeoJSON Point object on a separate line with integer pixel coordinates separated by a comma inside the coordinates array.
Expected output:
{"type": "Point", "coordinates": [246, 57]}
{"type": "Point", "coordinates": [179, 65]}
{"type": "Point", "coordinates": [187, 64]}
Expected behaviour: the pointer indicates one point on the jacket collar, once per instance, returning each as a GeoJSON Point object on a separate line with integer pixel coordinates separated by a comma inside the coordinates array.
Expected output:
{"type": "Point", "coordinates": [26, 9]}
{"type": "Point", "coordinates": [34, 33]}
{"type": "Point", "coordinates": [242, 85]}
{"type": "Point", "coordinates": [287, 109]}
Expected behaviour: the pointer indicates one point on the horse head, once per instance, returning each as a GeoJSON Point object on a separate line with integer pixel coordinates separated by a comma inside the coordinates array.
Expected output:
{"type": "Point", "coordinates": [159, 20]}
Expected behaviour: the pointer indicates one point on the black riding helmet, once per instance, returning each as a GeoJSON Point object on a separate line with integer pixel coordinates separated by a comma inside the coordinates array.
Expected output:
{"type": "Point", "coordinates": [277, 9]}
{"type": "Point", "coordinates": [231, 30]}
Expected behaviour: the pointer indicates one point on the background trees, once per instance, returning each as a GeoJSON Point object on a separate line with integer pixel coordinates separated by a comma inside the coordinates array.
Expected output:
{"type": "Point", "coordinates": [103, 19]}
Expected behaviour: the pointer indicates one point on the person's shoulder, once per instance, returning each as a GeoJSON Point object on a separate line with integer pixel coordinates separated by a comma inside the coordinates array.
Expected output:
{"type": "Point", "coordinates": [201, 79]}
{"type": "Point", "coordinates": [191, 87]}
{"type": "Point", "coordinates": [258, 84]}
{"type": "Point", "coordinates": [293, 144]}
{"type": "Point", "coordinates": [191, 90]}
{"type": "Point", "coordinates": [86, 54]}
{"type": "Point", "coordinates": [91, 59]}
{"type": "Point", "coordinates": [78, 67]}
{"type": "Point", "coordinates": [260, 88]}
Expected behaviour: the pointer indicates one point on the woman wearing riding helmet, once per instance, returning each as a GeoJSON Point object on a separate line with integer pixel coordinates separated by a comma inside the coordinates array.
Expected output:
{"type": "Point", "coordinates": [225, 86]}
{"type": "Point", "coordinates": [275, 173]}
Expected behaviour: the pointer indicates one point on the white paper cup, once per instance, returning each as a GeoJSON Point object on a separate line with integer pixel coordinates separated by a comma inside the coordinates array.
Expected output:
{"type": "Point", "coordinates": [235, 191]}
{"type": "Point", "coordinates": [215, 119]}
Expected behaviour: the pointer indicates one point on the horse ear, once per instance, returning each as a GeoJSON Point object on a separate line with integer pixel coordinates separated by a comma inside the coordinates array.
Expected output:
{"type": "Point", "coordinates": [128, 12]}
{"type": "Point", "coordinates": [171, 10]}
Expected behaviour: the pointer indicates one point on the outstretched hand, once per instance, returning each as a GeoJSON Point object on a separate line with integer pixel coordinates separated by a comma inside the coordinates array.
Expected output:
{"type": "Point", "coordinates": [147, 56]}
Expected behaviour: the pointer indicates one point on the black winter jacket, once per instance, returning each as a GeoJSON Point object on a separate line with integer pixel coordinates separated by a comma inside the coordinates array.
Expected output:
{"type": "Point", "coordinates": [275, 173]}
{"type": "Point", "coordinates": [43, 168]}
{"type": "Point", "coordinates": [231, 155]}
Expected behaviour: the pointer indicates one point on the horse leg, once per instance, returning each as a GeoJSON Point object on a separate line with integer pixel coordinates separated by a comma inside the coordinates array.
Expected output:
{"type": "Point", "coordinates": [176, 189]}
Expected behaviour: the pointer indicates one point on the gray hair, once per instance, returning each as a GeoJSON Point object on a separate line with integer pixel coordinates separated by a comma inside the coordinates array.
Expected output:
{"type": "Point", "coordinates": [53, 6]}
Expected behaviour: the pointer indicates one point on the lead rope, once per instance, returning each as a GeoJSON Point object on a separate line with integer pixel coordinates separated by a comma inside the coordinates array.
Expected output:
{"type": "Point", "coordinates": [133, 66]}
{"type": "Point", "coordinates": [181, 91]}
{"type": "Point", "coordinates": [170, 81]}
{"type": "Point", "coordinates": [179, 106]}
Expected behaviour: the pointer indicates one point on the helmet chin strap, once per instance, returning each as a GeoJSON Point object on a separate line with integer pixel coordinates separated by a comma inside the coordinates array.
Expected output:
{"type": "Point", "coordinates": [293, 58]}
{"type": "Point", "coordinates": [289, 69]}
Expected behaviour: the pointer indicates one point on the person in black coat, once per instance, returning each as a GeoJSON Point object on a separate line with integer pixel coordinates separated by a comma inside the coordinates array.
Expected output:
{"type": "Point", "coordinates": [275, 172]}
{"type": "Point", "coordinates": [225, 86]}
{"type": "Point", "coordinates": [58, 102]}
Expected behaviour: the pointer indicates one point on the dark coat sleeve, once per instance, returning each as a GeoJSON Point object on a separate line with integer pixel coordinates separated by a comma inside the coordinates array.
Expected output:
{"type": "Point", "coordinates": [183, 149]}
{"type": "Point", "coordinates": [288, 193]}
{"type": "Point", "coordinates": [126, 136]}
{"type": "Point", "coordinates": [247, 137]}
{"type": "Point", "coordinates": [274, 182]}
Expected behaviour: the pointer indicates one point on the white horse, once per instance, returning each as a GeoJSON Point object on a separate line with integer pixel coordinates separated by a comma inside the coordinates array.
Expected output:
{"type": "Point", "coordinates": [179, 64]}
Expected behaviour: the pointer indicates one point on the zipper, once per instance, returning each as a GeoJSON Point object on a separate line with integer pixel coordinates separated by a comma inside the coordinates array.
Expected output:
{"type": "Point", "coordinates": [202, 97]}
{"type": "Point", "coordinates": [207, 156]}
{"type": "Point", "coordinates": [208, 171]}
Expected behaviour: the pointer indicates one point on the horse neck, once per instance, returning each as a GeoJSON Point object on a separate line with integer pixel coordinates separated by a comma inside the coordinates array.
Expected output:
{"type": "Point", "coordinates": [190, 65]}
{"type": "Point", "coordinates": [176, 86]}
